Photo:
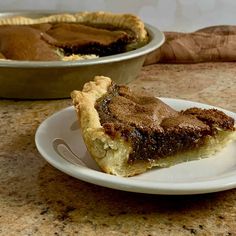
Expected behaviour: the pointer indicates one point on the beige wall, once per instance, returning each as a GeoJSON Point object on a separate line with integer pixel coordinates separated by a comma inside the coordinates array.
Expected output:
{"type": "Point", "coordinates": [184, 15]}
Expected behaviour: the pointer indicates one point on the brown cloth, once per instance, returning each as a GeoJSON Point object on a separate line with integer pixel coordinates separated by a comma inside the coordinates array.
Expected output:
{"type": "Point", "coordinates": [212, 44]}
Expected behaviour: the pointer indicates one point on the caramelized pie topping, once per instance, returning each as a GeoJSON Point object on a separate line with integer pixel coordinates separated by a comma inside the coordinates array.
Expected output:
{"type": "Point", "coordinates": [48, 41]}
{"type": "Point", "coordinates": [154, 129]}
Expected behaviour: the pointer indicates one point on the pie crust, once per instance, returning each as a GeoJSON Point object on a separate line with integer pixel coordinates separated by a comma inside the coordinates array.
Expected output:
{"type": "Point", "coordinates": [112, 153]}
{"type": "Point", "coordinates": [128, 23]}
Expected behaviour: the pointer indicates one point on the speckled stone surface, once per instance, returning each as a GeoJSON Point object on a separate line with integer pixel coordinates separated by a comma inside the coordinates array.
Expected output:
{"type": "Point", "coordinates": [37, 199]}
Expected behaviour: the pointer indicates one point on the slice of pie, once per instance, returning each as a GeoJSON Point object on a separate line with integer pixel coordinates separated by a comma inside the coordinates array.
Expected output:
{"type": "Point", "coordinates": [70, 36]}
{"type": "Point", "coordinates": [128, 133]}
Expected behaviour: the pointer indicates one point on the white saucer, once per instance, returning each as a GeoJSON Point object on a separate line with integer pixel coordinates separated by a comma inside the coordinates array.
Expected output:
{"type": "Point", "coordinates": [59, 141]}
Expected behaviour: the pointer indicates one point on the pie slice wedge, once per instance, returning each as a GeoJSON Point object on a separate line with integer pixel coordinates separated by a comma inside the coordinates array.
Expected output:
{"type": "Point", "coordinates": [128, 133]}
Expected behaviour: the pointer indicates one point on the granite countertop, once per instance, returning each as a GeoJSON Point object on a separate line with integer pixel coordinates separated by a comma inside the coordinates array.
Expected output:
{"type": "Point", "coordinates": [37, 199]}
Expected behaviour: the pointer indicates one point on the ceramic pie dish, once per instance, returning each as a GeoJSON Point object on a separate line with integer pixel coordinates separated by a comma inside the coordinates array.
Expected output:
{"type": "Point", "coordinates": [40, 79]}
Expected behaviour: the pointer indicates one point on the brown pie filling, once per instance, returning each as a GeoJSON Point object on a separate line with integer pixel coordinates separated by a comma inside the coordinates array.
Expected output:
{"type": "Point", "coordinates": [154, 129]}
{"type": "Point", "coordinates": [49, 41]}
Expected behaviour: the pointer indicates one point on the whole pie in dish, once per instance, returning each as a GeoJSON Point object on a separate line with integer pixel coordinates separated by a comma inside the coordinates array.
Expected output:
{"type": "Point", "coordinates": [128, 133]}
{"type": "Point", "coordinates": [70, 36]}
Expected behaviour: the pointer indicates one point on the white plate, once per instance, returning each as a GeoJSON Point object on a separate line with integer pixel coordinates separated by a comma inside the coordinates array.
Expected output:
{"type": "Point", "coordinates": [59, 141]}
